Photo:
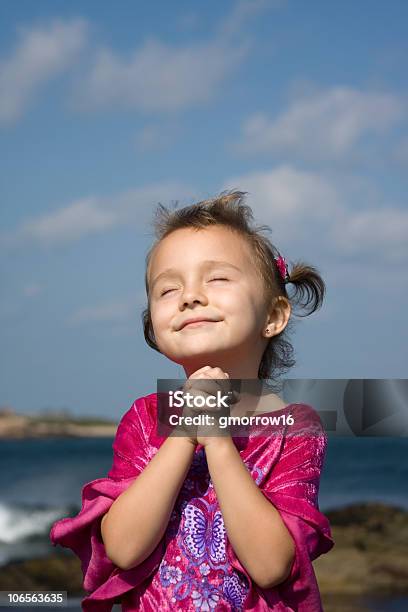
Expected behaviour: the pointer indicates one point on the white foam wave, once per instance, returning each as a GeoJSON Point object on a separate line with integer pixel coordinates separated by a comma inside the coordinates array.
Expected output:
{"type": "Point", "coordinates": [19, 522]}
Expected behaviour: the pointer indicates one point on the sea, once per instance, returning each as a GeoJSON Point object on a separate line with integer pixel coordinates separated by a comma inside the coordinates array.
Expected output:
{"type": "Point", "coordinates": [41, 481]}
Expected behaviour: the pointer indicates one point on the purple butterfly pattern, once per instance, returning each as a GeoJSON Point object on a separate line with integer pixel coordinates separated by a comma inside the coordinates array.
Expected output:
{"type": "Point", "coordinates": [204, 534]}
{"type": "Point", "coordinates": [196, 571]}
{"type": "Point", "coordinates": [235, 590]}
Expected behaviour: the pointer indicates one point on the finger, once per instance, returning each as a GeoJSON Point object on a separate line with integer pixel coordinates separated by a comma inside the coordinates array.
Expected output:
{"type": "Point", "coordinates": [194, 374]}
{"type": "Point", "coordinates": [217, 372]}
{"type": "Point", "coordinates": [214, 372]}
{"type": "Point", "coordinates": [205, 404]}
{"type": "Point", "coordinates": [224, 385]}
{"type": "Point", "coordinates": [195, 382]}
{"type": "Point", "coordinates": [198, 375]}
{"type": "Point", "coordinates": [221, 378]}
{"type": "Point", "coordinates": [206, 384]}
{"type": "Point", "coordinates": [204, 388]}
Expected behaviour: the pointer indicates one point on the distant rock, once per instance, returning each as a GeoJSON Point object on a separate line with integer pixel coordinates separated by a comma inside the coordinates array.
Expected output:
{"type": "Point", "coordinates": [6, 411]}
{"type": "Point", "coordinates": [58, 572]}
{"type": "Point", "coordinates": [17, 426]}
{"type": "Point", "coordinates": [370, 553]}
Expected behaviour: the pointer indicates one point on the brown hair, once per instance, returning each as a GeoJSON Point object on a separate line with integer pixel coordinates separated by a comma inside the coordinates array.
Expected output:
{"type": "Point", "coordinates": [228, 209]}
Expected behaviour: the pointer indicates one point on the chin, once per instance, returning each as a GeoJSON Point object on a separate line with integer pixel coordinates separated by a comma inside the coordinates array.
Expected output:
{"type": "Point", "coordinates": [200, 353]}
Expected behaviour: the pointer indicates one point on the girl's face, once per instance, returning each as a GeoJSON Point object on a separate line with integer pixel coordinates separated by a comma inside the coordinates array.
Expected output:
{"type": "Point", "coordinates": [208, 273]}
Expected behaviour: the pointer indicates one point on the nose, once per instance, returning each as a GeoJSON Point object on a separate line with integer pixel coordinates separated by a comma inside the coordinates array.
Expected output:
{"type": "Point", "coordinates": [192, 293]}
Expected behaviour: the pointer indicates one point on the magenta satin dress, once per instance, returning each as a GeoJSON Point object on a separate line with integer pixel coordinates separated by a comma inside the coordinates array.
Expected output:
{"type": "Point", "coordinates": [194, 567]}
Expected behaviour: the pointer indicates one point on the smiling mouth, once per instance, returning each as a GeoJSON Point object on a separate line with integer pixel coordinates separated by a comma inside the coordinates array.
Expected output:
{"type": "Point", "coordinates": [198, 324]}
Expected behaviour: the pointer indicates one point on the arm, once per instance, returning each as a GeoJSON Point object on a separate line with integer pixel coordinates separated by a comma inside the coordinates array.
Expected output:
{"type": "Point", "coordinates": [138, 518]}
{"type": "Point", "coordinates": [255, 529]}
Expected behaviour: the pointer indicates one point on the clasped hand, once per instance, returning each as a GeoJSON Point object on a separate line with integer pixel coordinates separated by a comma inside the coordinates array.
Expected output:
{"type": "Point", "coordinates": [205, 383]}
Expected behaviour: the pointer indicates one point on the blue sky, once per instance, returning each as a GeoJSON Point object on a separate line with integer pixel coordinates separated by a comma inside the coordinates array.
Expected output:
{"type": "Point", "coordinates": [108, 108]}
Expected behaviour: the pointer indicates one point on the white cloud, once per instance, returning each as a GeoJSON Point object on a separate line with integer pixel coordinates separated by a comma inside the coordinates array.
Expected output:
{"type": "Point", "coordinates": [380, 232]}
{"type": "Point", "coordinates": [160, 77]}
{"type": "Point", "coordinates": [288, 198]}
{"type": "Point", "coordinates": [327, 123]}
{"type": "Point", "coordinates": [70, 223]}
{"type": "Point", "coordinates": [242, 11]}
{"type": "Point", "coordinates": [41, 54]}
{"type": "Point", "coordinates": [93, 215]}
{"type": "Point", "coordinates": [156, 77]}
{"type": "Point", "coordinates": [340, 216]}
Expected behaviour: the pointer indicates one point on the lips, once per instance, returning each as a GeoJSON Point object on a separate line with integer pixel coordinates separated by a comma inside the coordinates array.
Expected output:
{"type": "Point", "coordinates": [196, 320]}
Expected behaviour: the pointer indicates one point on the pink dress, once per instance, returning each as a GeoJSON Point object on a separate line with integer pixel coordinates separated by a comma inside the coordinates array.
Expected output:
{"type": "Point", "coordinates": [194, 566]}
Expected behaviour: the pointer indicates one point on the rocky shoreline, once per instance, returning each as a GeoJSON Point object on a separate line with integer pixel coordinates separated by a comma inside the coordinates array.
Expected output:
{"type": "Point", "coordinates": [369, 559]}
{"type": "Point", "coordinates": [19, 426]}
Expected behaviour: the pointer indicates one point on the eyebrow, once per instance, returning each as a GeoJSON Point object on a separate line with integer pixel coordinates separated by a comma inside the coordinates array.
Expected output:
{"type": "Point", "coordinates": [206, 263]}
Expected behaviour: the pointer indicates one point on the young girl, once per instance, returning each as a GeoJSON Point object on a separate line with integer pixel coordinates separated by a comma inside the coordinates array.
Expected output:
{"type": "Point", "coordinates": [201, 522]}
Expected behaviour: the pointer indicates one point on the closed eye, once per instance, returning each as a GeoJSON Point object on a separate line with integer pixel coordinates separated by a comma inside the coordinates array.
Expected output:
{"type": "Point", "coordinates": [211, 279]}
{"type": "Point", "coordinates": [167, 291]}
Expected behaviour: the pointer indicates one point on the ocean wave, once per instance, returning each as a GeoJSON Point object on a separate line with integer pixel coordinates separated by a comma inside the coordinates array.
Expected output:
{"type": "Point", "coordinates": [27, 521]}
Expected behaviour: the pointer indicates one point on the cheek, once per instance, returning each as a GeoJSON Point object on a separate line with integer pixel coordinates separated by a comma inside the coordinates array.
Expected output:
{"type": "Point", "coordinates": [239, 302]}
{"type": "Point", "coordinates": [159, 315]}
{"type": "Point", "coordinates": [228, 299]}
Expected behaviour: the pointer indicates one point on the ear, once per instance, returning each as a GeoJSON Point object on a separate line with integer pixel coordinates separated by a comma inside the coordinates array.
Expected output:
{"type": "Point", "coordinates": [278, 317]}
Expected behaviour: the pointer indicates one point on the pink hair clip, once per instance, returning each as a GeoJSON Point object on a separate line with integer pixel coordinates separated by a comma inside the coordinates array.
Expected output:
{"type": "Point", "coordinates": [283, 268]}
